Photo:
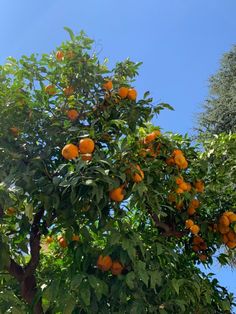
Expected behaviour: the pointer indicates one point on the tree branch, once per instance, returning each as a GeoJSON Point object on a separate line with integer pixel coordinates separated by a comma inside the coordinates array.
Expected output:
{"type": "Point", "coordinates": [34, 244]}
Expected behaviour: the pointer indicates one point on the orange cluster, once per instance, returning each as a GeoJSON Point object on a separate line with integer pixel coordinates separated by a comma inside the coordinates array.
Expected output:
{"type": "Point", "coordinates": [177, 158]}
{"type": "Point", "coordinates": [224, 227]}
{"type": "Point", "coordinates": [193, 205]}
{"type": "Point", "coordinates": [105, 263]}
{"type": "Point", "coordinates": [148, 142]}
{"type": "Point", "coordinates": [85, 147]}
{"type": "Point", "coordinates": [189, 224]}
{"type": "Point", "coordinates": [182, 185]}
{"type": "Point", "coordinates": [199, 246]}
{"type": "Point", "coordinates": [125, 92]}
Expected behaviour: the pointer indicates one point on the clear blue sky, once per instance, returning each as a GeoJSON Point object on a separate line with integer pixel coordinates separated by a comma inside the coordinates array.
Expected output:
{"type": "Point", "coordinates": [179, 41]}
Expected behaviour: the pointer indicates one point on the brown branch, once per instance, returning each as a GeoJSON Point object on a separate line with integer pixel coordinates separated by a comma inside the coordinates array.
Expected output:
{"type": "Point", "coordinates": [34, 244]}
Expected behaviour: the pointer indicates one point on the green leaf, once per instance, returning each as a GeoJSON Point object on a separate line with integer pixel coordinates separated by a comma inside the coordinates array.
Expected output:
{"type": "Point", "coordinates": [72, 36]}
{"type": "Point", "coordinates": [142, 273]}
{"type": "Point", "coordinates": [85, 293]}
{"type": "Point", "coordinates": [70, 303]}
{"type": "Point", "coordinates": [129, 279]}
{"type": "Point", "coordinates": [175, 285]}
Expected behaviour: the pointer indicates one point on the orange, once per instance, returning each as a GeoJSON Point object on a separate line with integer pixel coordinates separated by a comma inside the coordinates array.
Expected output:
{"type": "Point", "coordinates": [179, 191]}
{"type": "Point", "coordinates": [179, 180]}
{"type": "Point", "coordinates": [70, 151]}
{"type": "Point", "coordinates": [171, 198]}
{"type": "Point", "coordinates": [227, 213]}
{"type": "Point", "coordinates": [231, 245]}
{"type": "Point", "coordinates": [60, 55]}
{"type": "Point", "coordinates": [203, 246]}
{"type": "Point", "coordinates": [199, 186]}
{"type": "Point", "coordinates": [181, 161]}
{"type": "Point", "coordinates": [75, 237]}
{"type": "Point", "coordinates": [86, 146]}
{"type": "Point", "coordinates": [62, 242]}
{"type": "Point", "coordinates": [104, 262]}
{"type": "Point", "coordinates": [107, 85]}
{"type": "Point", "coordinates": [49, 240]}
{"type": "Point", "coordinates": [116, 268]}
{"type": "Point", "coordinates": [68, 91]}
{"type": "Point", "coordinates": [223, 229]}
{"type": "Point", "coordinates": [224, 221]}
{"type": "Point", "coordinates": [138, 176]}
{"type": "Point", "coordinates": [183, 186]}
{"type": "Point", "coordinates": [132, 94]}
{"type": "Point", "coordinates": [72, 114]}
{"type": "Point", "coordinates": [117, 195]}
{"type": "Point", "coordinates": [203, 257]}
{"type": "Point", "coordinates": [225, 238]}
{"type": "Point", "coordinates": [194, 203]}
{"type": "Point", "coordinates": [189, 223]}
{"type": "Point", "coordinates": [197, 240]}
{"type": "Point", "coordinates": [177, 152]}
{"type": "Point", "coordinates": [191, 211]}
{"type": "Point", "coordinates": [151, 137]}
{"type": "Point", "coordinates": [170, 161]}
{"type": "Point", "coordinates": [232, 218]}
{"type": "Point", "coordinates": [179, 205]}
{"type": "Point", "coordinates": [86, 157]}
{"type": "Point", "coordinates": [231, 236]}
{"type": "Point", "coordinates": [10, 211]}
{"type": "Point", "coordinates": [50, 90]}
{"type": "Point", "coordinates": [194, 229]}
{"type": "Point", "coordinates": [189, 187]}
{"type": "Point", "coordinates": [195, 248]}
{"type": "Point", "coordinates": [15, 131]}
{"type": "Point", "coordinates": [123, 92]}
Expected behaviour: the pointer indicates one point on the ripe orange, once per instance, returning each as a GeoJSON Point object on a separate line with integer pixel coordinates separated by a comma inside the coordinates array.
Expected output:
{"type": "Point", "coordinates": [132, 94]}
{"type": "Point", "coordinates": [117, 195]}
{"type": "Point", "coordinates": [191, 211]}
{"type": "Point", "coordinates": [179, 180]}
{"type": "Point", "coordinates": [86, 157]}
{"type": "Point", "coordinates": [116, 268]}
{"type": "Point", "coordinates": [194, 203]}
{"type": "Point", "coordinates": [15, 131]}
{"type": "Point", "coordinates": [70, 151]}
{"type": "Point", "coordinates": [104, 262]}
{"type": "Point", "coordinates": [68, 91]}
{"type": "Point", "coordinates": [203, 246]}
{"type": "Point", "coordinates": [62, 242]}
{"type": "Point", "coordinates": [224, 221]}
{"type": "Point", "coordinates": [138, 176]}
{"type": "Point", "coordinates": [180, 161]}
{"type": "Point", "coordinates": [50, 90]}
{"type": "Point", "coordinates": [123, 92]}
{"type": "Point", "coordinates": [224, 238]}
{"type": "Point", "coordinates": [75, 237]}
{"type": "Point", "coordinates": [72, 114]}
{"type": "Point", "coordinates": [231, 244]}
{"type": "Point", "coordinates": [49, 240]}
{"type": "Point", "coordinates": [183, 186]}
{"type": "Point", "coordinates": [108, 85]}
{"type": "Point", "coordinates": [86, 146]}
{"type": "Point", "coordinates": [223, 229]}
{"type": "Point", "coordinates": [189, 223]}
{"type": "Point", "coordinates": [179, 191]}
{"type": "Point", "coordinates": [195, 248]}
{"type": "Point", "coordinates": [203, 257]}
{"type": "Point", "coordinates": [232, 218]}
{"type": "Point", "coordinates": [228, 213]}
{"type": "Point", "coordinates": [231, 236]}
{"type": "Point", "coordinates": [197, 240]}
{"type": "Point", "coordinates": [60, 55]}
{"type": "Point", "coordinates": [199, 186]}
{"type": "Point", "coordinates": [177, 152]}
{"type": "Point", "coordinates": [151, 137]}
{"type": "Point", "coordinates": [170, 161]}
{"type": "Point", "coordinates": [194, 229]}
{"type": "Point", "coordinates": [10, 211]}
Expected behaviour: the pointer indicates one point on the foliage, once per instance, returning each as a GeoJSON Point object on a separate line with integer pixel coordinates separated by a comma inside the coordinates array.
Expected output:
{"type": "Point", "coordinates": [46, 200]}
{"type": "Point", "coordinates": [219, 114]}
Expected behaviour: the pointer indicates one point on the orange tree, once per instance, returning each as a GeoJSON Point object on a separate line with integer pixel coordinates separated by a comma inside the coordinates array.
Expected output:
{"type": "Point", "coordinates": [99, 211]}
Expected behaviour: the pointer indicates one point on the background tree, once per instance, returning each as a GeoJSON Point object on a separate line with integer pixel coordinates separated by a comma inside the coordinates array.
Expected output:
{"type": "Point", "coordinates": [100, 212]}
{"type": "Point", "coordinates": [219, 110]}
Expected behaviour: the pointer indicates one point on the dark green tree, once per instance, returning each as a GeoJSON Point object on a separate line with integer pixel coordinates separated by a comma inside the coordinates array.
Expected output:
{"type": "Point", "coordinates": [219, 114]}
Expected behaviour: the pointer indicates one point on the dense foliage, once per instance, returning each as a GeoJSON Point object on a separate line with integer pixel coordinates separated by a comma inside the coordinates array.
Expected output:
{"type": "Point", "coordinates": [99, 211]}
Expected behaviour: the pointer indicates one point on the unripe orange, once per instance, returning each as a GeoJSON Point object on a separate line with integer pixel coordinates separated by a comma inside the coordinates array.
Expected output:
{"type": "Point", "coordinates": [60, 55]}
{"type": "Point", "coordinates": [68, 91]}
{"type": "Point", "coordinates": [50, 90]}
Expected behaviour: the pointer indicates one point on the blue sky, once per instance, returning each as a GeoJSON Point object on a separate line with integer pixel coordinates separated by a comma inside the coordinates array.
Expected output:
{"type": "Point", "coordinates": [179, 41]}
